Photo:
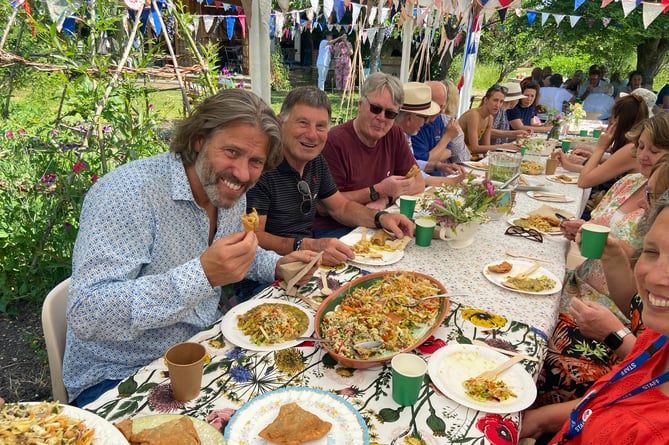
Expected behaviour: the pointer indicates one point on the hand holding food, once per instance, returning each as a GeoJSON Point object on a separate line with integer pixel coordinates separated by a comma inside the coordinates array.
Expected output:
{"type": "Point", "coordinates": [229, 259]}
{"type": "Point", "coordinates": [413, 171]}
{"type": "Point", "coordinates": [250, 221]}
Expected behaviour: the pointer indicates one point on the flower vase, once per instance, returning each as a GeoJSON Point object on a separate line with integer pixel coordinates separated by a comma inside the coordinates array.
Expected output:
{"type": "Point", "coordinates": [555, 132]}
{"type": "Point", "coordinates": [460, 236]}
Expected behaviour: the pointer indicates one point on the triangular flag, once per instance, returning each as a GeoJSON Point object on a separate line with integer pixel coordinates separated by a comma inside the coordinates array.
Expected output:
{"type": "Point", "coordinates": [558, 18]}
{"type": "Point", "coordinates": [327, 8]}
{"type": "Point", "coordinates": [230, 25]}
{"type": "Point", "coordinates": [502, 14]}
{"type": "Point", "coordinates": [371, 33]}
{"type": "Point", "coordinates": [544, 17]}
{"type": "Point", "coordinates": [666, 6]}
{"type": "Point", "coordinates": [363, 36]}
{"type": "Point", "coordinates": [208, 22]}
{"type": "Point", "coordinates": [518, 11]}
{"type": "Point", "coordinates": [578, 3]}
{"type": "Point", "coordinates": [135, 5]}
{"type": "Point", "coordinates": [371, 15]}
{"type": "Point", "coordinates": [650, 12]}
{"type": "Point", "coordinates": [606, 21]}
{"type": "Point", "coordinates": [242, 21]}
{"type": "Point", "coordinates": [339, 10]}
{"type": "Point", "coordinates": [284, 5]}
{"type": "Point", "coordinates": [17, 3]}
{"type": "Point", "coordinates": [356, 12]}
{"type": "Point", "coordinates": [314, 6]}
{"type": "Point", "coordinates": [628, 6]}
{"type": "Point", "coordinates": [384, 14]}
{"type": "Point", "coordinates": [531, 16]}
{"type": "Point", "coordinates": [573, 19]}
{"type": "Point", "coordinates": [310, 14]}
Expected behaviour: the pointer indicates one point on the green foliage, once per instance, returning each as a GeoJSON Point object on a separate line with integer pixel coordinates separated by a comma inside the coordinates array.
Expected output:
{"type": "Point", "coordinates": [279, 71]}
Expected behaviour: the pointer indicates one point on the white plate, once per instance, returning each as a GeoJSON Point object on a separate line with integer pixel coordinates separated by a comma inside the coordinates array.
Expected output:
{"type": "Point", "coordinates": [448, 372]}
{"type": "Point", "coordinates": [348, 426]}
{"type": "Point", "coordinates": [388, 257]}
{"type": "Point", "coordinates": [207, 433]}
{"type": "Point", "coordinates": [573, 180]}
{"type": "Point", "coordinates": [532, 184]}
{"type": "Point", "coordinates": [105, 432]}
{"type": "Point", "coordinates": [518, 267]}
{"type": "Point", "coordinates": [232, 333]}
{"type": "Point", "coordinates": [512, 223]}
{"type": "Point", "coordinates": [549, 198]}
{"type": "Point", "coordinates": [480, 165]}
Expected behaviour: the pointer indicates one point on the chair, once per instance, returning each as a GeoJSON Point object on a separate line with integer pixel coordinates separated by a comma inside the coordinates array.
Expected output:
{"type": "Point", "coordinates": [54, 326]}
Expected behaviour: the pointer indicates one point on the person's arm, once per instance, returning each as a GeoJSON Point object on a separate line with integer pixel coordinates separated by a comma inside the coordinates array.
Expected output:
{"type": "Point", "coordinates": [546, 419]}
{"type": "Point", "coordinates": [598, 322]}
{"type": "Point", "coordinates": [470, 124]}
{"type": "Point", "coordinates": [595, 171]}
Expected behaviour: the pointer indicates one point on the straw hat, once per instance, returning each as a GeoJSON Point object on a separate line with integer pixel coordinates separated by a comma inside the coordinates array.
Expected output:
{"type": "Point", "coordinates": [418, 99]}
{"type": "Point", "coordinates": [514, 91]}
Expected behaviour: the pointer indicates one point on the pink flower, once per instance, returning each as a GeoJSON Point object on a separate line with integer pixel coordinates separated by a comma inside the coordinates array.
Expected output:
{"type": "Point", "coordinates": [9, 134]}
{"type": "Point", "coordinates": [79, 166]}
{"type": "Point", "coordinates": [219, 418]}
{"type": "Point", "coordinates": [54, 132]}
{"type": "Point", "coordinates": [94, 178]}
{"type": "Point", "coordinates": [162, 400]}
{"type": "Point", "coordinates": [22, 132]}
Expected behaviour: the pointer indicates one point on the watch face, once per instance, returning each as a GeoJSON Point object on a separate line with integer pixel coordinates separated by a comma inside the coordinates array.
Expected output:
{"type": "Point", "coordinates": [373, 194]}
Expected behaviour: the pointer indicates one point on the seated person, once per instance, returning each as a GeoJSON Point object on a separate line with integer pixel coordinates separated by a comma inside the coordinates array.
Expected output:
{"type": "Point", "coordinates": [501, 132]}
{"type": "Point", "coordinates": [440, 141]}
{"type": "Point", "coordinates": [417, 109]}
{"type": "Point", "coordinates": [159, 238]}
{"type": "Point", "coordinates": [286, 197]}
{"type": "Point", "coordinates": [595, 84]}
{"type": "Point", "coordinates": [369, 156]}
{"type": "Point", "coordinates": [628, 404]}
{"type": "Point", "coordinates": [477, 124]}
{"type": "Point", "coordinates": [524, 115]}
{"type": "Point", "coordinates": [553, 96]}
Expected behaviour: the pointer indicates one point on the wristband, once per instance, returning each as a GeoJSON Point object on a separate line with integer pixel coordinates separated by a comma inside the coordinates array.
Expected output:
{"type": "Point", "coordinates": [297, 243]}
{"type": "Point", "coordinates": [377, 218]}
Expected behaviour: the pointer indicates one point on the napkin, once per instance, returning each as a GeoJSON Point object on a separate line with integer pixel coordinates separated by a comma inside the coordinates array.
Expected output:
{"type": "Point", "coordinates": [549, 211]}
{"type": "Point", "coordinates": [293, 272]}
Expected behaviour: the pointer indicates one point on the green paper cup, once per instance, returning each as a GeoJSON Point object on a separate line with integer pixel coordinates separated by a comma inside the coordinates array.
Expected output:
{"type": "Point", "coordinates": [596, 133]}
{"type": "Point", "coordinates": [566, 146]}
{"type": "Point", "coordinates": [424, 231]}
{"type": "Point", "coordinates": [593, 240]}
{"type": "Point", "coordinates": [408, 375]}
{"type": "Point", "coordinates": [583, 133]}
{"type": "Point", "coordinates": [408, 205]}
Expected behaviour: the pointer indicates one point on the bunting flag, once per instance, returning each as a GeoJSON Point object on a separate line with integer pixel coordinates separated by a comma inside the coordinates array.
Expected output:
{"type": "Point", "coordinates": [650, 13]}
{"type": "Point", "coordinates": [242, 21]}
{"type": "Point", "coordinates": [573, 20]}
{"type": "Point", "coordinates": [16, 3]}
{"type": "Point", "coordinates": [135, 5]}
{"type": "Point", "coordinates": [544, 17]}
{"type": "Point", "coordinates": [384, 14]}
{"type": "Point", "coordinates": [209, 21]}
{"type": "Point", "coordinates": [371, 16]}
{"type": "Point", "coordinates": [558, 18]}
{"type": "Point", "coordinates": [605, 3]}
{"type": "Point", "coordinates": [502, 14]}
{"type": "Point", "coordinates": [371, 34]}
{"type": "Point", "coordinates": [284, 5]}
{"type": "Point", "coordinates": [628, 6]}
{"type": "Point", "coordinates": [327, 8]}
{"type": "Point", "coordinates": [356, 12]}
{"type": "Point", "coordinates": [230, 26]}
{"type": "Point", "coordinates": [531, 16]}
{"type": "Point", "coordinates": [315, 5]}
{"type": "Point", "coordinates": [606, 21]}
{"type": "Point", "coordinates": [339, 9]}
{"type": "Point", "coordinates": [578, 3]}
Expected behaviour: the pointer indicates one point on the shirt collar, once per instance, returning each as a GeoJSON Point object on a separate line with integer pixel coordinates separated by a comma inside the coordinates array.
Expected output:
{"type": "Point", "coordinates": [179, 184]}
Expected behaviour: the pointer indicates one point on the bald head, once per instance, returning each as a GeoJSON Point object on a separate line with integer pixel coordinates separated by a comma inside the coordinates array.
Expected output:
{"type": "Point", "coordinates": [438, 92]}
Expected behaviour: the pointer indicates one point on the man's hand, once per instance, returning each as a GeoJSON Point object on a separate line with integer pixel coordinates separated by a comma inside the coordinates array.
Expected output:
{"type": "Point", "coordinates": [452, 129]}
{"type": "Point", "coordinates": [394, 186]}
{"type": "Point", "coordinates": [398, 224]}
{"type": "Point", "coordinates": [334, 251]}
{"type": "Point", "coordinates": [594, 320]}
{"type": "Point", "coordinates": [229, 259]}
{"type": "Point", "coordinates": [304, 256]}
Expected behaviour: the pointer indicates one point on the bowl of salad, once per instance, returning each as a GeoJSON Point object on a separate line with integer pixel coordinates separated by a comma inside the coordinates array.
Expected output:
{"type": "Point", "coordinates": [375, 308]}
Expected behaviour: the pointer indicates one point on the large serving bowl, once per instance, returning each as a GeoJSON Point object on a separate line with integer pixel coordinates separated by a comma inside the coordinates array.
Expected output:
{"type": "Point", "coordinates": [421, 334]}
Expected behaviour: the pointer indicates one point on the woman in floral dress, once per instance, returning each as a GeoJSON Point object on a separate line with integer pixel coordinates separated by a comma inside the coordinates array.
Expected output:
{"type": "Point", "coordinates": [342, 52]}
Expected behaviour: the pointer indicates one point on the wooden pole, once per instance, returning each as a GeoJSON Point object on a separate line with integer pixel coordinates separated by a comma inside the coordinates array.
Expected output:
{"type": "Point", "coordinates": [10, 22]}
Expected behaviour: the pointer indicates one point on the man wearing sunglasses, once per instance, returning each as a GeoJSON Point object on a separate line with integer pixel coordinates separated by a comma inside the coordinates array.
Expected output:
{"type": "Point", "coordinates": [286, 197]}
{"type": "Point", "coordinates": [369, 155]}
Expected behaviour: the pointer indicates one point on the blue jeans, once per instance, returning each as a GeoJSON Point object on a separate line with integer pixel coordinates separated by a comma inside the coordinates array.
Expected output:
{"type": "Point", "coordinates": [90, 395]}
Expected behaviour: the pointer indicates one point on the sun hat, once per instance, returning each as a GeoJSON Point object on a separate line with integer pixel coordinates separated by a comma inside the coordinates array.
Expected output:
{"type": "Point", "coordinates": [418, 99]}
{"type": "Point", "coordinates": [648, 96]}
{"type": "Point", "coordinates": [513, 91]}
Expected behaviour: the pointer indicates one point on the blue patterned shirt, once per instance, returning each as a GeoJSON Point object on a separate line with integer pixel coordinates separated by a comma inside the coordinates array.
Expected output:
{"type": "Point", "coordinates": [137, 283]}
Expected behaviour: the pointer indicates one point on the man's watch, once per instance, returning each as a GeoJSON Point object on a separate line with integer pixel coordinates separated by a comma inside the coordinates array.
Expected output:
{"type": "Point", "coordinates": [615, 339]}
{"type": "Point", "coordinates": [373, 194]}
{"type": "Point", "coordinates": [377, 218]}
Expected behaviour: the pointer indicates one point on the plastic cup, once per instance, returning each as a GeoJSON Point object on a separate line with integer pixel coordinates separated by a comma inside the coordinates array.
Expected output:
{"type": "Point", "coordinates": [424, 231]}
{"type": "Point", "coordinates": [583, 133]}
{"type": "Point", "coordinates": [551, 166]}
{"type": "Point", "coordinates": [184, 363]}
{"type": "Point", "coordinates": [566, 146]}
{"type": "Point", "coordinates": [408, 205]}
{"type": "Point", "coordinates": [408, 375]}
{"type": "Point", "coordinates": [596, 133]}
{"type": "Point", "coordinates": [503, 165]}
{"type": "Point", "coordinates": [593, 240]}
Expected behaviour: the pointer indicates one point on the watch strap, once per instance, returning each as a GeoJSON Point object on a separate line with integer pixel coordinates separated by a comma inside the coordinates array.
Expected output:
{"type": "Point", "coordinates": [377, 218]}
{"type": "Point", "coordinates": [373, 194]}
{"type": "Point", "coordinates": [615, 339]}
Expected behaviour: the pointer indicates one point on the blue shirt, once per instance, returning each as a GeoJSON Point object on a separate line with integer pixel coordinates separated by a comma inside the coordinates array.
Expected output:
{"type": "Point", "coordinates": [137, 283]}
{"type": "Point", "coordinates": [430, 134]}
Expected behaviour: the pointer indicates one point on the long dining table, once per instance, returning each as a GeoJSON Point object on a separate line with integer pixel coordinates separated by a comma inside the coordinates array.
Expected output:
{"type": "Point", "coordinates": [479, 310]}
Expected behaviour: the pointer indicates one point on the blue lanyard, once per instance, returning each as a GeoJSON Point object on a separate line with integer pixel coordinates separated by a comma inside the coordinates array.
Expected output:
{"type": "Point", "coordinates": [577, 421]}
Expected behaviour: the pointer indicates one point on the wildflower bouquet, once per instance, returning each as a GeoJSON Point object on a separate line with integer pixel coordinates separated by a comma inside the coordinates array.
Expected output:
{"type": "Point", "coordinates": [577, 111]}
{"type": "Point", "coordinates": [452, 205]}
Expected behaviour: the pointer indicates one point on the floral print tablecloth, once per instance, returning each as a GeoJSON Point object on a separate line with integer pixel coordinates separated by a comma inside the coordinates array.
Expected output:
{"type": "Point", "coordinates": [234, 376]}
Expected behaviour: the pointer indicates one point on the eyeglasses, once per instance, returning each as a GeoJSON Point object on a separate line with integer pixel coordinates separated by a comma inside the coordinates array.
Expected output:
{"type": "Point", "coordinates": [377, 109]}
{"type": "Point", "coordinates": [498, 87]}
{"type": "Point", "coordinates": [651, 197]}
{"type": "Point", "coordinates": [305, 191]}
{"type": "Point", "coordinates": [529, 234]}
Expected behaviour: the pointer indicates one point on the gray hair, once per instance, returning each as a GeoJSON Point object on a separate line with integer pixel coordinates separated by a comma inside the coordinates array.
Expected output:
{"type": "Point", "coordinates": [308, 95]}
{"type": "Point", "coordinates": [226, 108]}
{"type": "Point", "coordinates": [379, 81]}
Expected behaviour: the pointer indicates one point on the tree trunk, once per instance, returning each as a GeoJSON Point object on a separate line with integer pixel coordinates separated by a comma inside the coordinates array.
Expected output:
{"type": "Point", "coordinates": [649, 58]}
{"type": "Point", "coordinates": [375, 52]}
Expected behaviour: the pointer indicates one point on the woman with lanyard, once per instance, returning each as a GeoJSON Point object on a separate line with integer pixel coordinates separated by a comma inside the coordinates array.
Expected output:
{"type": "Point", "coordinates": [629, 404]}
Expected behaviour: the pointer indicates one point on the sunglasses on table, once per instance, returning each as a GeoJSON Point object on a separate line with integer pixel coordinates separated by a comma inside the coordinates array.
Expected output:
{"type": "Point", "coordinates": [305, 191]}
{"type": "Point", "coordinates": [521, 232]}
{"type": "Point", "coordinates": [377, 109]}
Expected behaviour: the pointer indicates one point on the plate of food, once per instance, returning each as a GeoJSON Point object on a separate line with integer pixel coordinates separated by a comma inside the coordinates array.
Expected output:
{"type": "Point", "coordinates": [297, 415]}
{"type": "Point", "coordinates": [176, 428]}
{"type": "Point", "coordinates": [548, 225]}
{"type": "Point", "coordinates": [267, 324]}
{"type": "Point", "coordinates": [525, 184]}
{"type": "Point", "coordinates": [563, 179]}
{"type": "Point", "coordinates": [50, 421]}
{"type": "Point", "coordinates": [549, 196]}
{"type": "Point", "coordinates": [477, 165]}
{"type": "Point", "coordinates": [523, 277]}
{"type": "Point", "coordinates": [454, 367]}
{"type": "Point", "coordinates": [378, 249]}
{"type": "Point", "coordinates": [531, 167]}
{"type": "Point", "coordinates": [380, 307]}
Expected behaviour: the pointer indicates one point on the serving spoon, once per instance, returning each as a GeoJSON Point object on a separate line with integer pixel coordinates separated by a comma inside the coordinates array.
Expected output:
{"type": "Point", "coordinates": [362, 345]}
{"type": "Point", "coordinates": [412, 302]}
{"type": "Point", "coordinates": [325, 290]}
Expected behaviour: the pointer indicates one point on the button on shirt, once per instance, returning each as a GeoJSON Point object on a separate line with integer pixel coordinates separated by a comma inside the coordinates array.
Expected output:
{"type": "Point", "coordinates": [137, 283]}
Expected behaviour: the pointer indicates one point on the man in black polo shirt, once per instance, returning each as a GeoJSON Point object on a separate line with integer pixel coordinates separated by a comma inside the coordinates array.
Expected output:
{"type": "Point", "coordinates": [286, 197]}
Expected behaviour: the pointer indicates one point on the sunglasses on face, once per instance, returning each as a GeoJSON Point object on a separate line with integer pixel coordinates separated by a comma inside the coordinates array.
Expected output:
{"type": "Point", "coordinates": [377, 109]}
{"type": "Point", "coordinates": [501, 88]}
{"type": "Point", "coordinates": [529, 234]}
{"type": "Point", "coordinates": [305, 191]}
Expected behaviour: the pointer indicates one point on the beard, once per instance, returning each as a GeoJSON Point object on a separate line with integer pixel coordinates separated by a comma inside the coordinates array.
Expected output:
{"type": "Point", "coordinates": [210, 181]}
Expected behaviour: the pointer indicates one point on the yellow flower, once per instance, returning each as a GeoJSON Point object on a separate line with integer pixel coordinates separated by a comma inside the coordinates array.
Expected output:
{"type": "Point", "coordinates": [483, 319]}
{"type": "Point", "coordinates": [289, 361]}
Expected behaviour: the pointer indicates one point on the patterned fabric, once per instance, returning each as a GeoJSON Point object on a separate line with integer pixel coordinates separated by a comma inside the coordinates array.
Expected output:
{"type": "Point", "coordinates": [137, 283]}
{"type": "Point", "coordinates": [500, 123]}
{"type": "Point", "coordinates": [574, 362]}
{"type": "Point", "coordinates": [342, 52]}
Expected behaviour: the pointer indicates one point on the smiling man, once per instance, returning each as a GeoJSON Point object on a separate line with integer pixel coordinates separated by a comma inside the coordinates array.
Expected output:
{"type": "Point", "coordinates": [160, 236]}
{"type": "Point", "coordinates": [369, 155]}
{"type": "Point", "coordinates": [286, 197]}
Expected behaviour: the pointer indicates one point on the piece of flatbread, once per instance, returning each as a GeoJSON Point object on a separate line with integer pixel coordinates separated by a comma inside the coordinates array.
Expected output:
{"type": "Point", "coordinates": [294, 426]}
{"type": "Point", "coordinates": [178, 431]}
{"type": "Point", "coordinates": [413, 171]}
{"type": "Point", "coordinates": [250, 221]}
{"type": "Point", "coordinates": [380, 237]}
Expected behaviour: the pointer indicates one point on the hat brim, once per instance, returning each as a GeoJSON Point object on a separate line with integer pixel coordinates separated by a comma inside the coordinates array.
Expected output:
{"type": "Point", "coordinates": [509, 98]}
{"type": "Point", "coordinates": [429, 111]}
